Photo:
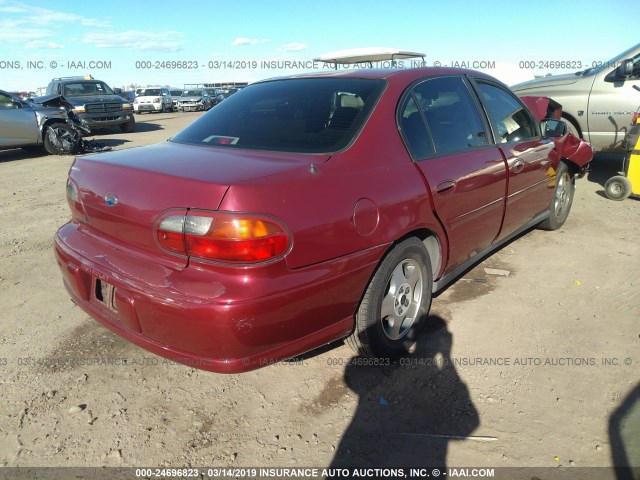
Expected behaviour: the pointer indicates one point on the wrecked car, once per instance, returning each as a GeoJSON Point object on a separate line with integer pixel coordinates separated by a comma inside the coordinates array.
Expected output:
{"type": "Point", "coordinates": [194, 101]}
{"type": "Point", "coordinates": [50, 122]}
{"type": "Point", "coordinates": [25, 124]}
{"type": "Point", "coordinates": [312, 208]}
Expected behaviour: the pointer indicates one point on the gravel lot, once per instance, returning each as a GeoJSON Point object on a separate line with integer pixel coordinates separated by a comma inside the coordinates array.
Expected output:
{"type": "Point", "coordinates": [518, 370]}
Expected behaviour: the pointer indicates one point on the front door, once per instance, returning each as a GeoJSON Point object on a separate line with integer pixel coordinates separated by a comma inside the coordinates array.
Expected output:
{"type": "Point", "coordinates": [531, 171]}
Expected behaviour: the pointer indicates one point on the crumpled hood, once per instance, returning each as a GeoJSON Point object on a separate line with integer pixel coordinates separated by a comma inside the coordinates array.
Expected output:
{"type": "Point", "coordinates": [75, 101]}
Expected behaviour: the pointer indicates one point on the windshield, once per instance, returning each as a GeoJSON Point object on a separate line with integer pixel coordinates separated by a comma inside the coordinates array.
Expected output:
{"type": "Point", "coordinates": [613, 63]}
{"type": "Point", "coordinates": [149, 92]}
{"type": "Point", "coordinates": [192, 93]}
{"type": "Point", "coordinates": [313, 115]}
{"type": "Point", "coordinates": [86, 88]}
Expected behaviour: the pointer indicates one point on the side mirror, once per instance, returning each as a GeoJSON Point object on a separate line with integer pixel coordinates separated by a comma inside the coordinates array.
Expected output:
{"type": "Point", "coordinates": [16, 104]}
{"type": "Point", "coordinates": [552, 128]}
{"type": "Point", "coordinates": [117, 91]}
{"type": "Point", "coordinates": [624, 70]}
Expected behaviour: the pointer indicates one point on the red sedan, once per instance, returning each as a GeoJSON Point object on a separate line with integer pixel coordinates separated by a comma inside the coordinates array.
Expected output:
{"type": "Point", "coordinates": [307, 209]}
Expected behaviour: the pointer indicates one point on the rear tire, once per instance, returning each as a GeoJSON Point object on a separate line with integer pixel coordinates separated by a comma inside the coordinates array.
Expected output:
{"type": "Point", "coordinates": [395, 304]}
{"type": "Point", "coordinates": [617, 188]}
{"type": "Point", "coordinates": [561, 200]}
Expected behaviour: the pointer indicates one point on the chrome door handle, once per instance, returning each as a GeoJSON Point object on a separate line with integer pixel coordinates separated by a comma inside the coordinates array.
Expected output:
{"type": "Point", "coordinates": [446, 187]}
{"type": "Point", "coordinates": [517, 166]}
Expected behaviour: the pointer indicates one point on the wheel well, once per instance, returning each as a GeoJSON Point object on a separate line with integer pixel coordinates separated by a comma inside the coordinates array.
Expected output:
{"type": "Point", "coordinates": [573, 121]}
{"type": "Point", "coordinates": [573, 168]}
{"type": "Point", "coordinates": [431, 243]}
{"type": "Point", "coordinates": [47, 124]}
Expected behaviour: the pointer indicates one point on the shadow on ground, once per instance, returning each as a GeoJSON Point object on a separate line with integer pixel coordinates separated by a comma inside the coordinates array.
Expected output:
{"type": "Point", "coordinates": [408, 411]}
{"type": "Point", "coordinates": [604, 166]}
{"type": "Point", "coordinates": [624, 434]}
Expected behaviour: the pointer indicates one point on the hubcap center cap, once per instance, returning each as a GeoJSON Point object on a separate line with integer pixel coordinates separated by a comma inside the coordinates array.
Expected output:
{"type": "Point", "coordinates": [401, 303]}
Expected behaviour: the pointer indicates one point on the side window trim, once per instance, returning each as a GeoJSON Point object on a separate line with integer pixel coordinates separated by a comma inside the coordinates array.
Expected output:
{"type": "Point", "coordinates": [482, 111]}
{"type": "Point", "coordinates": [425, 124]}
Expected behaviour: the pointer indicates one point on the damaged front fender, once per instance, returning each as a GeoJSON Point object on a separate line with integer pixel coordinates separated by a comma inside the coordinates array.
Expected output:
{"type": "Point", "coordinates": [576, 151]}
{"type": "Point", "coordinates": [571, 148]}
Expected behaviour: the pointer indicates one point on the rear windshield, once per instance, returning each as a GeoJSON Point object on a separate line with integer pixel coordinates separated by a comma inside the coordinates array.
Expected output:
{"type": "Point", "coordinates": [312, 115]}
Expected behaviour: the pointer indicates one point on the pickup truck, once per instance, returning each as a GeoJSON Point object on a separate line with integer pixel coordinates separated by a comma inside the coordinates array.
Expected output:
{"type": "Point", "coordinates": [96, 105]}
{"type": "Point", "coordinates": [597, 103]}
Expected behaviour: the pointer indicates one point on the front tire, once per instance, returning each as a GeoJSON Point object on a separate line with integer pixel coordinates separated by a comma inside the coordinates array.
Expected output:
{"type": "Point", "coordinates": [60, 139]}
{"type": "Point", "coordinates": [395, 304]}
{"type": "Point", "coordinates": [128, 127]}
{"type": "Point", "coordinates": [617, 188]}
{"type": "Point", "coordinates": [561, 200]}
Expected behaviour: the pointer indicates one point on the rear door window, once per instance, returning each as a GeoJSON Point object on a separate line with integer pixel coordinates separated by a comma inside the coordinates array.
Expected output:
{"type": "Point", "coordinates": [440, 117]}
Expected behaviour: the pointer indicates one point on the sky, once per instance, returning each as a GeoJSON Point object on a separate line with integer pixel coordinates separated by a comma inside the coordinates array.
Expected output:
{"type": "Point", "coordinates": [141, 43]}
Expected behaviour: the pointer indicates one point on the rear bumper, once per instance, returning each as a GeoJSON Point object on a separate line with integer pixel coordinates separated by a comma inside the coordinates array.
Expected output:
{"type": "Point", "coordinates": [219, 319]}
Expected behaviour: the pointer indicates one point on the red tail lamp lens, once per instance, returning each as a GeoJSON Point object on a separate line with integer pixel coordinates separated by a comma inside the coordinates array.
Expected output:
{"type": "Point", "coordinates": [224, 237]}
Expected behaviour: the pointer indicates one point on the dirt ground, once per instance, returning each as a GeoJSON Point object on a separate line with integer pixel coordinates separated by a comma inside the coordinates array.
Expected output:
{"type": "Point", "coordinates": [530, 369]}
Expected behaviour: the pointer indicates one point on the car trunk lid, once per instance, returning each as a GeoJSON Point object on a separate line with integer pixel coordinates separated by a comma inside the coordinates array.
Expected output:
{"type": "Point", "coordinates": [125, 192]}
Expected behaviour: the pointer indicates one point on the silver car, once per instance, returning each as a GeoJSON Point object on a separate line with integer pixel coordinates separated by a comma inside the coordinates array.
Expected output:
{"type": "Point", "coordinates": [597, 103]}
{"type": "Point", "coordinates": [24, 124]}
{"type": "Point", "coordinates": [194, 100]}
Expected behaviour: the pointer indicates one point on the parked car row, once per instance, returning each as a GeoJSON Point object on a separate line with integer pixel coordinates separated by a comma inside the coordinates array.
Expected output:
{"type": "Point", "coordinates": [163, 99]}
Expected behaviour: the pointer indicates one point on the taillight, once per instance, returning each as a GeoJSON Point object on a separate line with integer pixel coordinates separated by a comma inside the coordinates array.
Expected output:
{"type": "Point", "coordinates": [73, 198]}
{"type": "Point", "coordinates": [224, 236]}
{"type": "Point", "coordinates": [634, 120]}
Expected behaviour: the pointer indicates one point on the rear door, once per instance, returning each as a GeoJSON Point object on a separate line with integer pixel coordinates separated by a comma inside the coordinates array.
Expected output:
{"type": "Point", "coordinates": [449, 139]}
{"type": "Point", "coordinates": [531, 173]}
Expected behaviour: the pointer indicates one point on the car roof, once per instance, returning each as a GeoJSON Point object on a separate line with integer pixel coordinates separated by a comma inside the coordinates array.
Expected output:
{"type": "Point", "coordinates": [397, 74]}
